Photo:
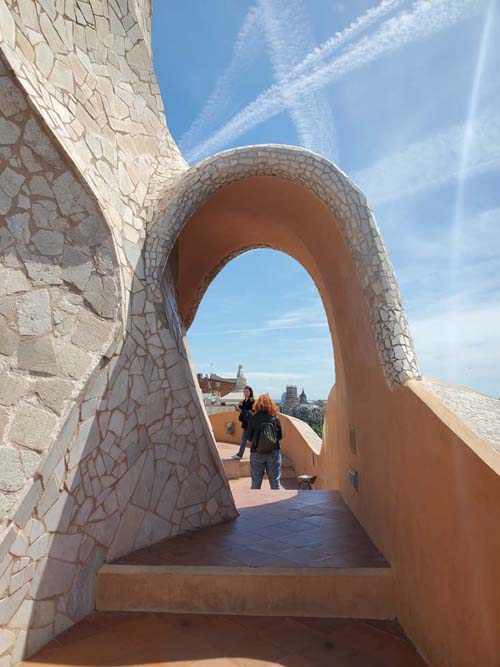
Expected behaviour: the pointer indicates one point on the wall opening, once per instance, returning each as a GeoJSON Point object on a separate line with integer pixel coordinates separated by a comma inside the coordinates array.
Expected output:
{"type": "Point", "coordinates": [263, 311]}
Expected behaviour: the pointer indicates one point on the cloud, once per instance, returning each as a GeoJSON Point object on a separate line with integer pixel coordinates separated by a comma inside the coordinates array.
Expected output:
{"type": "Point", "coordinates": [309, 316]}
{"type": "Point", "coordinates": [270, 375]}
{"type": "Point", "coordinates": [478, 239]}
{"type": "Point", "coordinates": [437, 338]}
{"type": "Point", "coordinates": [455, 319]}
{"type": "Point", "coordinates": [289, 38]}
{"type": "Point", "coordinates": [435, 160]}
{"type": "Point", "coordinates": [247, 46]}
{"type": "Point", "coordinates": [358, 26]}
{"type": "Point", "coordinates": [426, 18]}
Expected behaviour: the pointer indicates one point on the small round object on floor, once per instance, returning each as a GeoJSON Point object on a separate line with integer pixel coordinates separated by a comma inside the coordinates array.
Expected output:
{"type": "Point", "coordinates": [306, 481]}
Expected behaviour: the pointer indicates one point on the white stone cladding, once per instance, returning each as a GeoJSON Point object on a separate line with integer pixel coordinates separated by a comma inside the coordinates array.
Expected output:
{"type": "Point", "coordinates": [58, 277]}
{"type": "Point", "coordinates": [105, 445]}
{"type": "Point", "coordinates": [86, 66]}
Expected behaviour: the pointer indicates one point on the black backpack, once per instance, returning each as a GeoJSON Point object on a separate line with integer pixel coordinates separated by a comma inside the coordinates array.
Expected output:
{"type": "Point", "coordinates": [267, 438]}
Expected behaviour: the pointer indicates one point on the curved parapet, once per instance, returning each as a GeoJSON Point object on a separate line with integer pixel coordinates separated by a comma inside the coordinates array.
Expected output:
{"type": "Point", "coordinates": [300, 443]}
{"type": "Point", "coordinates": [349, 213]}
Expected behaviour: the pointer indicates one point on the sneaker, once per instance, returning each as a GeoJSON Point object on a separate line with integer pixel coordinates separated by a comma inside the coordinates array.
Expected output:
{"type": "Point", "coordinates": [236, 456]}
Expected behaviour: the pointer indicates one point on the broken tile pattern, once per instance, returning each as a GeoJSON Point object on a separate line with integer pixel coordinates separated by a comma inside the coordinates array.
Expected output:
{"type": "Point", "coordinates": [105, 447]}
{"type": "Point", "coordinates": [53, 237]}
{"type": "Point", "coordinates": [479, 412]}
{"type": "Point", "coordinates": [350, 210]}
{"type": "Point", "coordinates": [86, 66]}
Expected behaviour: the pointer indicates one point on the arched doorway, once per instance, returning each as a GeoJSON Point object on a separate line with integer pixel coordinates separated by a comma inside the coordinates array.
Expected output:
{"type": "Point", "coordinates": [263, 311]}
{"type": "Point", "coordinates": [297, 202]}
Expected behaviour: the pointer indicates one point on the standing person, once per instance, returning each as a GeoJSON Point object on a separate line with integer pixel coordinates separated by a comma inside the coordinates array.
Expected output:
{"type": "Point", "coordinates": [264, 432]}
{"type": "Point", "coordinates": [245, 407]}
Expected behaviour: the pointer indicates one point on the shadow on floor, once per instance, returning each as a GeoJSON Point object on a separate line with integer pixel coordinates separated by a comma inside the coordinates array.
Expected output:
{"type": "Point", "coordinates": [275, 529]}
{"type": "Point", "coordinates": [175, 640]}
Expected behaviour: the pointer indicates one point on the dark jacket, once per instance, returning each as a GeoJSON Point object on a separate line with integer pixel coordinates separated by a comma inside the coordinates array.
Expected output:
{"type": "Point", "coordinates": [253, 427]}
{"type": "Point", "coordinates": [246, 407]}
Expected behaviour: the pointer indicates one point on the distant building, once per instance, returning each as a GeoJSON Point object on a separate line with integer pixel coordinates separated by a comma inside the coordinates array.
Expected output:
{"type": "Point", "coordinates": [241, 381]}
{"type": "Point", "coordinates": [220, 386]}
{"type": "Point", "coordinates": [290, 400]}
{"type": "Point", "coordinates": [313, 413]}
{"type": "Point", "coordinates": [220, 393]}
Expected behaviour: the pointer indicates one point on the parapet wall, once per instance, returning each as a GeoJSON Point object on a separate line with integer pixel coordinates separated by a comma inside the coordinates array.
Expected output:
{"type": "Point", "coordinates": [300, 443]}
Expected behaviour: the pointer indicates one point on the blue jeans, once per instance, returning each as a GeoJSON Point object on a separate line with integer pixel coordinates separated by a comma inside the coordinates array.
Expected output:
{"type": "Point", "coordinates": [243, 443]}
{"type": "Point", "coordinates": [261, 463]}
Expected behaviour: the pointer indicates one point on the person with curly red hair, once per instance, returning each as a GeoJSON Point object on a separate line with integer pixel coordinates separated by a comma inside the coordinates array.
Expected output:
{"type": "Point", "coordinates": [264, 432]}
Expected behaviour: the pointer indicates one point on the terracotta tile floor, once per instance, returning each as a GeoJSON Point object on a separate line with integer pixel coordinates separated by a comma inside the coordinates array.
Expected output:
{"type": "Point", "coordinates": [175, 640]}
{"type": "Point", "coordinates": [228, 449]}
{"type": "Point", "coordinates": [276, 529]}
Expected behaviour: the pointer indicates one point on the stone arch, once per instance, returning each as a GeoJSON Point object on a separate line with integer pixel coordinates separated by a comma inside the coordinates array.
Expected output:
{"type": "Point", "coordinates": [346, 212]}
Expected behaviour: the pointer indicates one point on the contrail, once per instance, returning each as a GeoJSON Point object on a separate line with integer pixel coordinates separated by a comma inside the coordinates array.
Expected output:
{"type": "Point", "coordinates": [362, 23]}
{"type": "Point", "coordinates": [289, 38]}
{"type": "Point", "coordinates": [463, 172]}
{"type": "Point", "coordinates": [426, 18]}
{"type": "Point", "coordinates": [245, 49]}
{"type": "Point", "coordinates": [436, 160]}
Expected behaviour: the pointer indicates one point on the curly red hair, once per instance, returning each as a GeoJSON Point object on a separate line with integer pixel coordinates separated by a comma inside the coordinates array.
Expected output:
{"type": "Point", "coordinates": [266, 403]}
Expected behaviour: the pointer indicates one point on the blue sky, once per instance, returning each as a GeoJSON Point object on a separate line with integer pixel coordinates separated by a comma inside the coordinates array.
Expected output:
{"type": "Point", "coordinates": [405, 97]}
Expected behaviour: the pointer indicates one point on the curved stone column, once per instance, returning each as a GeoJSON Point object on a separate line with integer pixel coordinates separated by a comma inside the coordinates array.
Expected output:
{"type": "Point", "coordinates": [105, 443]}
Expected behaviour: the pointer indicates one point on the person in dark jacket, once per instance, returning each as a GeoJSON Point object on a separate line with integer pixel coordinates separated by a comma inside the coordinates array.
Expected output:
{"type": "Point", "coordinates": [245, 408]}
{"type": "Point", "coordinates": [264, 432]}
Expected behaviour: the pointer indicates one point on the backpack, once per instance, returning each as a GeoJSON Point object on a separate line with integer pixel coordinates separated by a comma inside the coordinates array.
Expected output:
{"type": "Point", "coordinates": [267, 438]}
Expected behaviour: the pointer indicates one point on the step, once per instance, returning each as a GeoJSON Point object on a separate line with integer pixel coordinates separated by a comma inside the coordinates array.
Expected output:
{"type": "Point", "coordinates": [290, 552]}
{"type": "Point", "coordinates": [300, 591]}
{"type": "Point", "coordinates": [177, 640]}
{"type": "Point", "coordinates": [236, 469]}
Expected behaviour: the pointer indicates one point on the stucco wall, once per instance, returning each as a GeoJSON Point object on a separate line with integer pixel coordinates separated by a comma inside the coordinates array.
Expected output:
{"type": "Point", "coordinates": [427, 489]}
{"type": "Point", "coordinates": [427, 484]}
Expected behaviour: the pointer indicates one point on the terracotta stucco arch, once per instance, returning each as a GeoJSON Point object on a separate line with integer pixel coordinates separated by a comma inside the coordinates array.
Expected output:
{"type": "Point", "coordinates": [298, 202]}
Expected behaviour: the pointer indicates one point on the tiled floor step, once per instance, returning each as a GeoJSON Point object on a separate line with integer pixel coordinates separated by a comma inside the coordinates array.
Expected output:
{"type": "Point", "coordinates": [300, 591]}
{"type": "Point", "coordinates": [296, 553]}
{"type": "Point", "coordinates": [235, 469]}
{"type": "Point", "coordinates": [174, 640]}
